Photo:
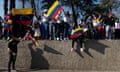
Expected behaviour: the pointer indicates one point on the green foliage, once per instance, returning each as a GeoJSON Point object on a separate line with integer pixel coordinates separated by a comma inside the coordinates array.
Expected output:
{"type": "Point", "coordinates": [107, 4]}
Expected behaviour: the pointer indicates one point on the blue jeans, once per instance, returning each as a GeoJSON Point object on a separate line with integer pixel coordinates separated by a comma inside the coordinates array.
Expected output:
{"type": "Point", "coordinates": [44, 30]}
{"type": "Point", "coordinates": [66, 30]}
{"type": "Point", "coordinates": [57, 30]}
{"type": "Point", "coordinates": [96, 34]}
{"type": "Point", "coordinates": [109, 32]}
{"type": "Point", "coordinates": [52, 31]}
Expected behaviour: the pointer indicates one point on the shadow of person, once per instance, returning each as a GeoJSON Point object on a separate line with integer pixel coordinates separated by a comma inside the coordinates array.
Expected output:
{"type": "Point", "coordinates": [95, 45]}
{"type": "Point", "coordinates": [91, 44]}
{"type": "Point", "coordinates": [51, 50]}
{"type": "Point", "coordinates": [37, 61]}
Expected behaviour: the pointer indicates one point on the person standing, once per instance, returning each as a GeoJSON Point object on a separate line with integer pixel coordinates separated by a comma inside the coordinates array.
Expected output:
{"type": "Point", "coordinates": [37, 32]}
{"type": "Point", "coordinates": [12, 49]}
{"type": "Point", "coordinates": [1, 27]}
{"type": "Point", "coordinates": [109, 21]}
{"type": "Point", "coordinates": [117, 29]}
{"type": "Point", "coordinates": [90, 31]}
{"type": "Point", "coordinates": [8, 26]}
{"type": "Point", "coordinates": [66, 19]}
{"type": "Point", "coordinates": [45, 25]}
{"type": "Point", "coordinates": [52, 29]}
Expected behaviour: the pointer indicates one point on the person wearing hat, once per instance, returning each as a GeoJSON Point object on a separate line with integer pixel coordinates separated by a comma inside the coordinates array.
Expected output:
{"type": "Point", "coordinates": [12, 49]}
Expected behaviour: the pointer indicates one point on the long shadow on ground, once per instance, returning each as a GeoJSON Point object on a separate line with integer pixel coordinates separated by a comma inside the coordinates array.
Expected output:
{"type": "Point", "coordinates": [91, 44]}
{"type": "Point", "coordinates": [38, 61]}
{"type": "Point", "coordinates": [51, 50]}
{"type": "Point", "coordinates": [95, 45]}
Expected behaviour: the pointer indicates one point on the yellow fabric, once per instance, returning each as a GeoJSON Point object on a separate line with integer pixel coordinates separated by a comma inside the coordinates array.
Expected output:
{"type": "Point", "coordinates": [10, 40]}
{"type": "Point", "coordinates": [52, 7]}
{"type": "Point", "coordinates": [36, 43]}
{"type": "Point", "coordinates": [76, 30]}
{"type": "Point", "coordinates": [23, 11]}
{"type": "Point", "coordinates": [36, 35]}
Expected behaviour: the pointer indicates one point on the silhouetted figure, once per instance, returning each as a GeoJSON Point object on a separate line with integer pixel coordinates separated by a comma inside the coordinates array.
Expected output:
{"type": "Point", "coordinates": [12, 49]}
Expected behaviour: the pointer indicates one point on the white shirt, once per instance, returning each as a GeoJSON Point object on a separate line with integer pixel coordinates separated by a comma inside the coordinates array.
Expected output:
{"type": "Point", "coordinates": [117, 25]}
{"type": "Point", "coordinates": [44, 18]}
{"type": "Point", "coordinates": [65, 19]}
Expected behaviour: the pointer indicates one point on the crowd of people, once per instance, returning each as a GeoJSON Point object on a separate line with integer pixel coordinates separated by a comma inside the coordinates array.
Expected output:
{"type": "Point", "coordinates": [99, 26]}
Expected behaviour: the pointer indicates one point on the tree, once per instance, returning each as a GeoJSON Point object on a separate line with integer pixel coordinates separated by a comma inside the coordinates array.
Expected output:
{"type": "Point", "coordinates": [33, 5]}
{"type": "Point", "coordinates": [82, 6]}
{"type": "Point", "coordinates": [12, 4]}
{"type": "Point", "coordinates": [5, 6]}
{"type": "Point", "coordinates": [23, 3]}
{"type": "Point", "coordinates": [108, 4]}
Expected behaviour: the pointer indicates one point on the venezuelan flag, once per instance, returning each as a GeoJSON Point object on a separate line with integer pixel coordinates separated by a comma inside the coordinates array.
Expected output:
{"type": "Point", "coordinates": [99, 24]}
{"type": "Point", "coordinates": [54, 10]}
{"type": "Point", "coordinates": [23, 16]}
{"type": "Point", "coordinates": [76, 33]}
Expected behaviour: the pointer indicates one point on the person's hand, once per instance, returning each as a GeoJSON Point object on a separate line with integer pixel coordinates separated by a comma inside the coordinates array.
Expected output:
{"type": "Point", "coordinates": [14, 53]}
{"type": "Point", "coordinates": [9, 50]}
{"type": "Point", "coordinates": [20, 39]}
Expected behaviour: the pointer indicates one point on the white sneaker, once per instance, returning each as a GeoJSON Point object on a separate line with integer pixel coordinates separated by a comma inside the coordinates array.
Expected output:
{"type": "Point", "coordinates": [8, 38]}
{"type": "Point", "coordinates": [71, 49]}
{"type": "Point", "coordinates": [57, 38]}
{"type": "Point", "coordinates": [81, 49]}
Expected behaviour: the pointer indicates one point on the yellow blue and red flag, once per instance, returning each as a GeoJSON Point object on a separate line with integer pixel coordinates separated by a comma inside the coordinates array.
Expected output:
{"type": "Point", "coordinates": [54, 10]}
{"type": "Point", "coordinates": [23, 16]}
{"type": "Point", "coordinates": [76, 32]}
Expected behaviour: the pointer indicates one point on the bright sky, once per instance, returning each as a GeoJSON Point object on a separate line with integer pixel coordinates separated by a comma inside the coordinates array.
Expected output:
{"type": "Point", "coordinates": [1, 8]}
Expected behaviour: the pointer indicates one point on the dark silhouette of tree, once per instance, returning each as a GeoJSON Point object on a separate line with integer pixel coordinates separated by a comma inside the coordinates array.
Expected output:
{"type": "Point", "coordinates": [107, 5]}
{"type": "Point", "coordinates": [5, 6]}
{"type": "Point", "coordinates": [33, 5]}
{"type": "Point", "coordinates": [23, 3]}
{"type": "Point", "coordinates": [79, 6]}
{"type": "Point", "coordinates": [12, 4]}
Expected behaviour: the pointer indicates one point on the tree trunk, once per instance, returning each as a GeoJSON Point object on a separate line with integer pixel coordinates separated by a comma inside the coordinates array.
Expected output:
{"type": "Point", "coordinates": [12, 4]}
{"type": "Point", "coordinates": [5, 6]}
{"type": "Point", "coordinates": [74, 15]}
{"type": "Point", "coordinates": [23, 3]}
{"type": "Point", "coordinates": [33, 6]}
